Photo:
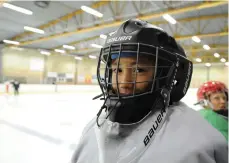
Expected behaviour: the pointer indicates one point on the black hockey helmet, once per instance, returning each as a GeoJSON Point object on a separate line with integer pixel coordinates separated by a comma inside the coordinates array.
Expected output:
{"type": "Point", "coordinates": [173, 70]}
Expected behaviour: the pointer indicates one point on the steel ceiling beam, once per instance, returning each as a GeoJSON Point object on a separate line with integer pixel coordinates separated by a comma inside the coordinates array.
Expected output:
{"type": "Point", "coordinates": [203, 17]}
{"type": "Point", "coordinates": [220, 47]}
{"type": "Point", "coordinates": [83, 50]}
{"type": "Point", "coordinates": [207, 54]}
{"type": "Point", "coordinates": [208, 57]}
{"type": "Point", "coordinates": [200, 6]}
{"type": "Point", "coordinates": [79, 41]}
{"type": "Point", "coordinates": [185, 37]}
{"type": "Point", "coordinates": [198, 46]}
{"type": "Point", "coordinates": [63, 18]}
{"type": "Point", "coordinates": [212, 49]}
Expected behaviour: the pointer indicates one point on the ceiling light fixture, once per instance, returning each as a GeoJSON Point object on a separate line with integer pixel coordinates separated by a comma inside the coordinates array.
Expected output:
{"type": "Point", "coordinates": [216, 55]}
{"type": "Point", "coordinates": [11, 42]}
{"type": "Point", "coordinates": [92, 57]}
{"type": "Point", "coordinates": [169, 18]}
{"type": "Point", "coordinates": [198, 60]}
{"type": "Point", "coordinates": [196, 39]}
{"type": "Point", "coordinates": [78, 58]}
{"type": "Point", "coordinates": [103, 36]}
{"type": "Point", "coordinates": [206, 47]}
{"type": "Point", "coordinates": [96, 46]}
{"type": "Point", "coordinates": [18, 9]}
{"type": "Point", "coordinates": [59, 51]}
{"type": "Point", "coordinates": [223, 60]}
{"type": "Point", "coordinates": [208, 64]}
{"type": "Point", "coordinates": [91, 11]}
{"type": "Point", "coordinates": [69, 47]}
{"type": "Point", "coordinates": [35, 30]}
{"type": "Point", "coordinates": [45, 52]}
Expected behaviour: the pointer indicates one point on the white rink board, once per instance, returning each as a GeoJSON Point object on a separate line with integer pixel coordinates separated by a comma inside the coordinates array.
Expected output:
{"type": "Point", "coordinates": [46, 88]}
{"type": "Point", "coordinates": [190, 98]}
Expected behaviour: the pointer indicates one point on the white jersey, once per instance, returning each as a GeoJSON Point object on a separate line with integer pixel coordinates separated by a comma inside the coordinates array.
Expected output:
{"type": "Point", "coordinates": [184, 137]}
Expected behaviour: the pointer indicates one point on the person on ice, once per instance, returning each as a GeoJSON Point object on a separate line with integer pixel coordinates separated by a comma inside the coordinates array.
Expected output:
{"type": "Point", "coordinates": [16, 86]}
{"type": "Point", "coordinates": [213, 96]}
{"type": "Point", "coordinates": [142, 120]}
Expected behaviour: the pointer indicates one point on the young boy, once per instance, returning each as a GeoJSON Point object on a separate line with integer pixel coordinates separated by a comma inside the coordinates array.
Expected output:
{"type": "Point", "coordinates": [146, 73]}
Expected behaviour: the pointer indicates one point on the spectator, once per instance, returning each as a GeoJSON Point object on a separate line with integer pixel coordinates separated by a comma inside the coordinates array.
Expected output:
{"type": "Point", "coordinates": [213, 96]}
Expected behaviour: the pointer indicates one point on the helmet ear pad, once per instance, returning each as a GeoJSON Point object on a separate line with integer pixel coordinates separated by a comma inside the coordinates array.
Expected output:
{"type": "Point", "coordinates": [182, 79]}
{"type": "Point", "coordinates": [178, 75]}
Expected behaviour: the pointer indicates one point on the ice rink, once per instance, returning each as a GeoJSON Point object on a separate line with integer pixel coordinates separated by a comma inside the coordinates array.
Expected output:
{"type": "Point", "coordinates": [45, 128]}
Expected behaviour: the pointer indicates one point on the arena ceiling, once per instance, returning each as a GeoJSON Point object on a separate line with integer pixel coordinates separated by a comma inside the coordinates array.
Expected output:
{"type": "Point", "coordinates": [65, 23]}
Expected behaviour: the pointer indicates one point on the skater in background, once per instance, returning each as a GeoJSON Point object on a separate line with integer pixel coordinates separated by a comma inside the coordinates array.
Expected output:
{"type": "Point", "coordinates": [213, 96]}
{"type": "Point", "coordinates": [7, 86]}
{"type": "Point", "coordinates": [16, 86]}
{"type": "Point", "coordinates": [55, 86]}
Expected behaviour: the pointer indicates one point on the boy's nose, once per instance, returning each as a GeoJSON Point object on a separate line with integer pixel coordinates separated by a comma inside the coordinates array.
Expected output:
{"type": "Point", "coordinates": [126, 82]}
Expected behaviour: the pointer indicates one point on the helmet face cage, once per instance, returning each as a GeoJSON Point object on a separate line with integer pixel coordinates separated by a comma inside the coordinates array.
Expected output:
{"type": "Point", "coordinates": [162, 61]}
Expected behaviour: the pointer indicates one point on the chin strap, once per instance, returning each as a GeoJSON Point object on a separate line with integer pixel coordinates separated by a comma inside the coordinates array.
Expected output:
{"type": "Point", "coordinates": [166, 96]}
{"type": "Point", "coordinates": [202, 103]}
{"type": "Point", "coordinates": [98, 97]}
{"type": "Point", "coordinates": [100, 111]}
{"type": "Point", "coordinates": [105, 107]}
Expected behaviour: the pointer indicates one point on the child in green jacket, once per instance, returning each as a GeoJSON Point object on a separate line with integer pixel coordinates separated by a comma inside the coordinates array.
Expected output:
{"type": "Point", "coordinates": [213, 96]}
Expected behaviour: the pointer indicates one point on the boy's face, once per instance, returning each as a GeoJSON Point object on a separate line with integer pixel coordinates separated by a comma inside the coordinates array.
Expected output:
{"type": "Point", "coordinates": [128, 72]}
{"type": "Point", "coordinates": [218, 100]}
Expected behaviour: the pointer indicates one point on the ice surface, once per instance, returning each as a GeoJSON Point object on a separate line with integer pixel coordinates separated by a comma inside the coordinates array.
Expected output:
{"type": "Point", "coordinates": [45, 128]}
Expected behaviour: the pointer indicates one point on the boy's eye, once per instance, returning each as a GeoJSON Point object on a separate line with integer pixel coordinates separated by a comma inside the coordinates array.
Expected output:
{"type": "Point", "coordinates": [138, 70]}
{"type": "Point", "coordinates": [134, 70]}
